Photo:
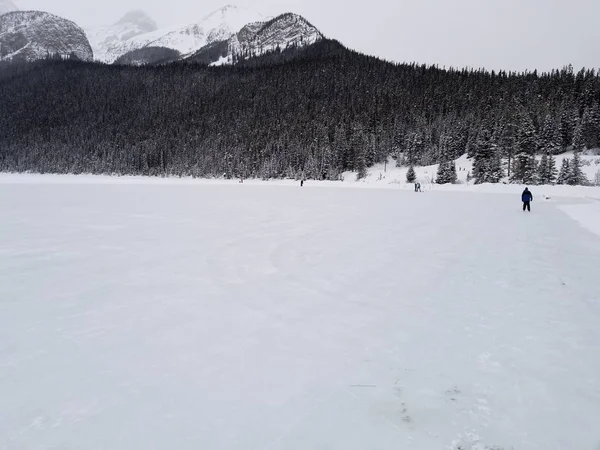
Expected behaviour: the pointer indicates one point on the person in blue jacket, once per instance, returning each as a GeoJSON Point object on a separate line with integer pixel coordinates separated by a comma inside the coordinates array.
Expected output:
{"type": "Point", "coordinates": [527, 198]}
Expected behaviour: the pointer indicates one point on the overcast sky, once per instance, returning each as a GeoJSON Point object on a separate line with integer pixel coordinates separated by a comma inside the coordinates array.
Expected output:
{"type": "Point", "coordinates": [495, 34]}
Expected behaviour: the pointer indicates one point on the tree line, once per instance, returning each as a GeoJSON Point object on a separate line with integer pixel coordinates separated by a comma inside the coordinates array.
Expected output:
{"type": "Point", "coordinates": [310, 113]}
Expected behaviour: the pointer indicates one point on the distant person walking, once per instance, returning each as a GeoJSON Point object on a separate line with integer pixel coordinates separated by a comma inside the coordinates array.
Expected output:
{"type": "Point", "coordinates": [527, 198]}
{"type": "Point", "coordinates": [417, 187]}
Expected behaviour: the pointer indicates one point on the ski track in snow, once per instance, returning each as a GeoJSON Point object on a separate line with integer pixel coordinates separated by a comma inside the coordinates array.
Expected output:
{"type": "Point", "coordinates": [278, 318]}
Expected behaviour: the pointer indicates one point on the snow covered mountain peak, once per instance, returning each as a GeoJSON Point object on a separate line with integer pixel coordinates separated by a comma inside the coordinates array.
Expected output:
{"type": "Point", "coordinates": [138, 18]}
{"type": "Point", "coordinates": [30, 35]}
{"type": "Point", "coordinates": [221, 37]}
{"type": "Point", "coordinates": [281, 32]}
{"type": "Point", "coordinates": [107, 42]}
{"type": "Point", "coordinates": [288, 29]}
{"type": "Point", "coordinates": [7, 6]}
{"type": "Point", "coordinates": [225, 22]}
{"type": "Point", "coordinates": [217, 26]}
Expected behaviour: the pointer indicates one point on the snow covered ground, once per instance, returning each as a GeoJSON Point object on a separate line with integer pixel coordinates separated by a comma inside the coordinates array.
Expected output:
{"type": "Point", "coordinates": [155, 314]}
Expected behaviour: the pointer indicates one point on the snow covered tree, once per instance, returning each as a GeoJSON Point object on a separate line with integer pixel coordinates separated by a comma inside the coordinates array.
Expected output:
{"type": "Point", "coordinates": [551, 171]}
{"type": "Point", "coordinates": [446, 173]}
{"type": "Point", "coordinates": [495, 171]}
{"type": "Point", "coordinates": [550, 142]}
{"type": "Point", "coordinates": [487, 167]}
{"type": "Point", "coordinates": [526, 134]}
{"type": "Point", "coordinates": [507, 141]}
{"type": "Point", "coordinates": [414, 146]}
{"type": "Point", "coordinates": [524, 163]}
{"type": "Point", "coordinates": [576, 175]}
{"type": "Point", "coordinates": [590, 124]}
{"type": "Point", "coordinates": [542, 170]}
{"type": "Point", "coordinates": [567, 125]}
{"type": "Point", "coordinates": [452, 176]}
{"type": "Point", "coordinates": [481, 151]}
{"type": "Point", "coordinates": [564, 174]}
{"type": "Point", "coordinates": [411, 176]}
{"type": "Point", "coordinates": [361, 163]}
{"type": "Point", "coordinates": [523, 169]}
{"type": "Point", "coordinates": [578, 143]}
{"type": "Point", "coordinates": [442, 172]}
{"type": "Point", "coordinates": [546, 171]}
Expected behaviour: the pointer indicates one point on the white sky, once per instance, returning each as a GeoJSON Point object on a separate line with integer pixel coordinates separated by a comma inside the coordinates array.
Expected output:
{"type": "Point", "coordinates": [495, 34]}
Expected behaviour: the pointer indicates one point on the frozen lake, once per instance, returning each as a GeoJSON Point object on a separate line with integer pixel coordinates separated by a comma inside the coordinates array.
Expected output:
{"type": "Point", "coordinates": [241, 317]}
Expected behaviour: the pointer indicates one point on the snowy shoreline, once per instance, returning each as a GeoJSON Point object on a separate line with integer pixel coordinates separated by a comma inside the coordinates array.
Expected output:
{"type": "Point", "coordinates": [581, 203]}
{"type": "Point", "coordinates": [387, 182]}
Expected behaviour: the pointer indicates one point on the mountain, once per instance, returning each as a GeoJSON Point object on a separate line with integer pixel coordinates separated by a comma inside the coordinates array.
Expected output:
{"type": "Point", "coordinates": [258, 38]}
{"type": "Point", "coordinates": [7, 6]}
{"type": "Point", "coordinates": [107, 42]}
{"type": "Point", "coordinates": [218, 26]}
{"type": "Point", "coordinates": [287, 30]}
{"type": "Point", "coordinates": [30, 35]}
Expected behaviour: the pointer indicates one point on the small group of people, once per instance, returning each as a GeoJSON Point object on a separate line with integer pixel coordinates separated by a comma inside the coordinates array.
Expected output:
{"type": "Point", "coordinates": [418, 187]}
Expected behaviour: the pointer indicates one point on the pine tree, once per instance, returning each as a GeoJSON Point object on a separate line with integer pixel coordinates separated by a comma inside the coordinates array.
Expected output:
{"type": "Point", "coordinates": [576, 175]}
{"type": "Point", "coordinates": [507, 142]}
{"type": "Point", "coordinates": [542, 172]}
{"type": "Point", "coordinates": [523, 169]}
{"type": "Point", "coordinates": [551, 169]}
{"type": "Point", "coordinates": [578, 143]}
{"type": "Point", "coordinates": [485, 168]}
{"type": "Point", "coordinates": [564, 174]}
{"type": "Point", "coordinates": [414, 146]}
{"type": "Point", "coordinates": [446, 172]}
{"type": "Point", "coordinates": [550, 139]}
{"type": "Point", "coordinates": [442, 171]}
{"type": "Point", "coordinates": [567, 126]}
{"type": "Point", "coordinates": [524, 163]}
{"type": "Point", "coordinates": [590, 124]}
{"type": "Point", "coordinates": [361, 164]}
{"type": "Point", "coordinates": [526, 135]}
{"type": "Point", "coordinates": [452, 175]}
{"type": "Point", "coordinates": [495, 171]}
{"type": "Point", "coordinates": [546, 171]}
{"type": "Point", "coordinates": [411, 176]}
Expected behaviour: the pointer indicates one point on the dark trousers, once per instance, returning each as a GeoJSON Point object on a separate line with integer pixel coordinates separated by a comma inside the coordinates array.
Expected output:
{"type": "Point", "coordinates": [527, 206]}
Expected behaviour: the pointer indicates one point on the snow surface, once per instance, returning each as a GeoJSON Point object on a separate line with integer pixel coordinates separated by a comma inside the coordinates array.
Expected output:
{"type": "Point", "coordinates": [588, 215]}
{"type": "Point", "coordinates": [149, 313]}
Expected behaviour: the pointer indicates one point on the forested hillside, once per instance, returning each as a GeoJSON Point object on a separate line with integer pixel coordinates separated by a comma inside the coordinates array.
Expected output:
{"type": "Point", "coordinates": [312, 113]}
